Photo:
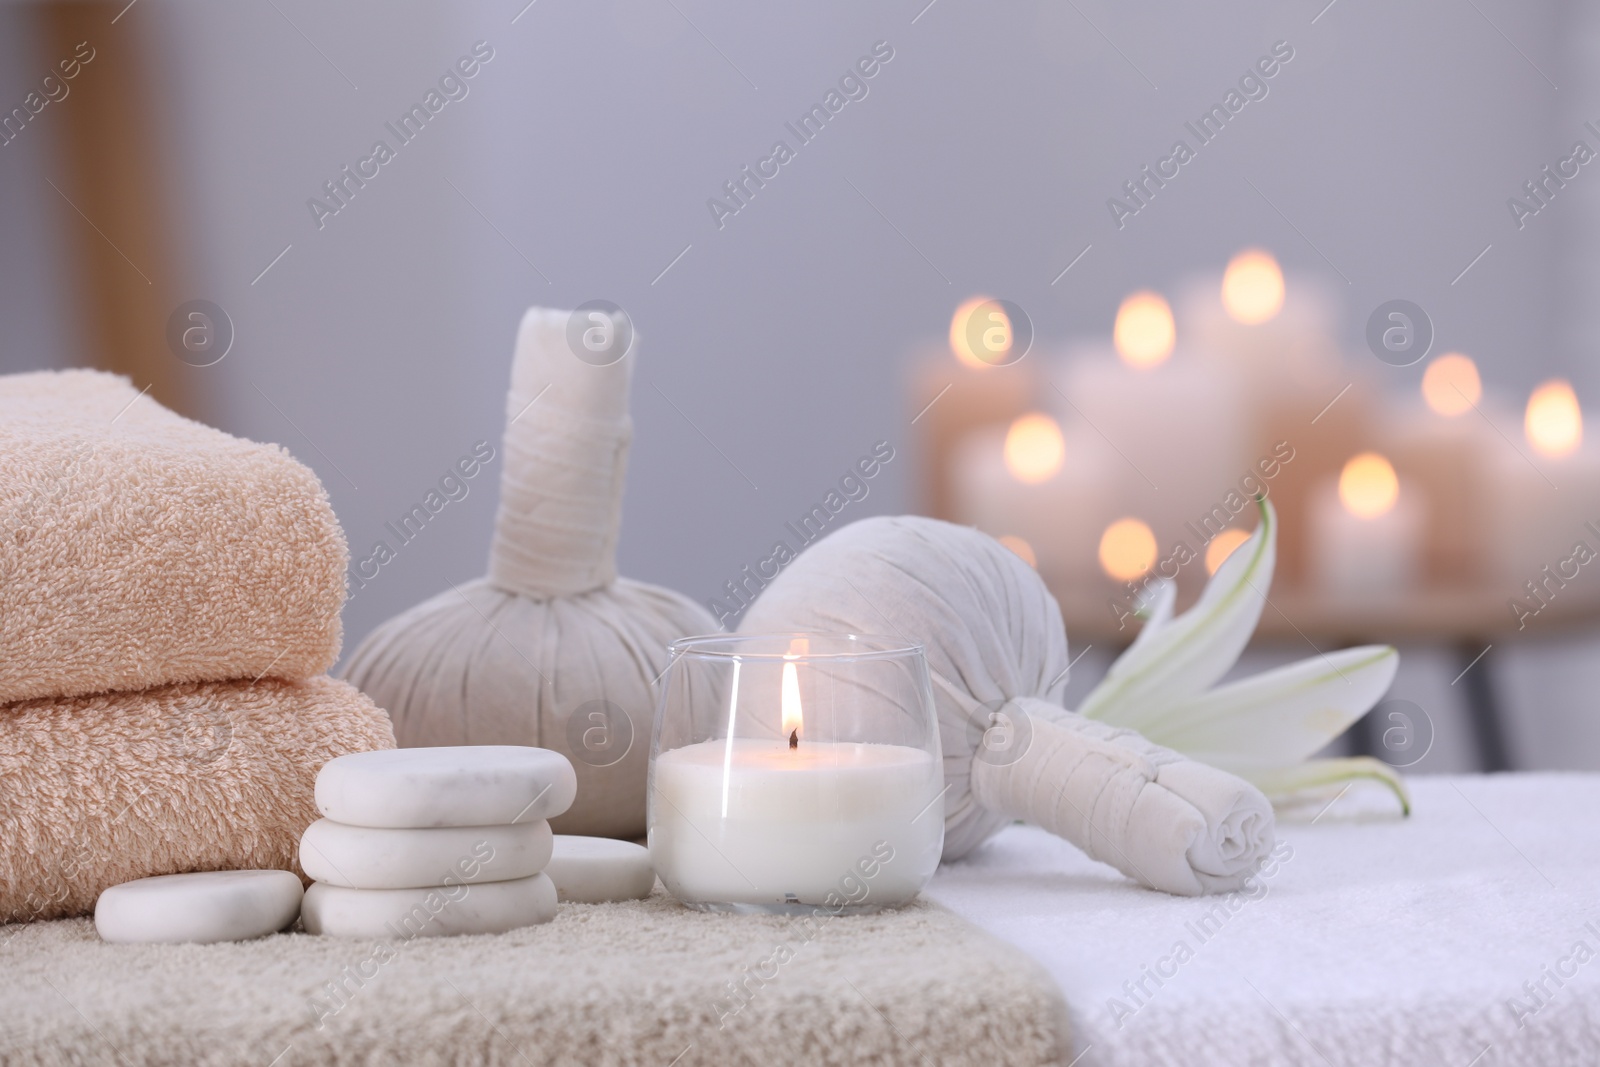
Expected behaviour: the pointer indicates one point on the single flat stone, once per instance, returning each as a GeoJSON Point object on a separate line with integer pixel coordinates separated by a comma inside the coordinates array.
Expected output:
{"type": "Point", "coordinates": [203, 907]}
{"type": "Point", "coordinates": [469, 785]}
{"type": "Point", "coordinates": [593, 870]}
{"type": "Point", "coordinates": [364, 857]}
{"type": "Point", "coordinates": [481, 908]}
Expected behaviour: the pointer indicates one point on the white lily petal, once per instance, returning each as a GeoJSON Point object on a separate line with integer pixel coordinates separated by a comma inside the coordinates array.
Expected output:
{"type": "Point", "coordinates": [1188, 655]}
{"type": "Point", "coordinates": [1156, 611]}
{"type": "Point", "coordinates": [1280, 717]}
{"type": "Point", "coordinates": [1292, 783]}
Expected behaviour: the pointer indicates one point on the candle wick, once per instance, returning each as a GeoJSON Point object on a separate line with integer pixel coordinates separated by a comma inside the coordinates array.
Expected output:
{"type": "Point", "coordinates": [794, 738]}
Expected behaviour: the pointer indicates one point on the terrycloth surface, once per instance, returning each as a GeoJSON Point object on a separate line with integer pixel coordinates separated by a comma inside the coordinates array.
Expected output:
{"type": "Point", "coordinates": [642, 982]}
{"type": "Point", "coordinates": [103, 789]}
{"type": "Point", "coordinates": [1374, 941]}
{"type": "Point", "coordinates": [140, 549]}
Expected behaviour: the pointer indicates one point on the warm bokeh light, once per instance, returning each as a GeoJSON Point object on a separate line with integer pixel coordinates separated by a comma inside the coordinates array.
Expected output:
{"type": "Point", "coordinates": [999, 332]}
{"type": "Point", "coordinates": [1021, 548]}
{"type": "Point", "coordinates": [1222, 546]}
{"type": "Point", "coordinates": [1554, 423]}
{"type": "Point", "coordinates": [1035, 448]}
{"type": "Point", "coordinates": [1144, 333]}
{"type": "Point", "coordinates": [1252, 287]}
{"type": "Point", "coordinates": [1368, 486]}
{"type": "Point", "coordinates": [1451, 385]}
{"type": "Point", "coordinates": [1127, 549]}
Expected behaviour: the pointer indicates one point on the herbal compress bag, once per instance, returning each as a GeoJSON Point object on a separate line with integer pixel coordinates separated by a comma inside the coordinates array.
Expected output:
{"type": "Point", "coordinates": [551, 648]}
{"type": "Point", "coordinates": [997, 654]}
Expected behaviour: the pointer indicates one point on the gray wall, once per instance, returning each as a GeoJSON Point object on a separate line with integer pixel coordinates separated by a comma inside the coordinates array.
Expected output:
{"type": "Point", "coordinates": [580, 165]}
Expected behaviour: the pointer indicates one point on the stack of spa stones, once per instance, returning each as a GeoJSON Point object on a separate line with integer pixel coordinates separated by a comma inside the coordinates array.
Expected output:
{"type": "Point", "coordinates": [431, 842]}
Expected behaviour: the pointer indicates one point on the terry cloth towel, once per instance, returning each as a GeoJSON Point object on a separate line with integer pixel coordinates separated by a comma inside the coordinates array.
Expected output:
{"type": "Point", "coordinates": [1467, 933]}
{"type": "Point", "coordinates": [103, 789]}
{"type": "Point", "coordinates": [138, 548]}
{"type": "Point", "coordinates": [645, 983]}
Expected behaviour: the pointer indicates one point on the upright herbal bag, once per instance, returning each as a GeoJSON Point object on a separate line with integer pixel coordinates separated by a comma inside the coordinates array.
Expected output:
{"type": "Point", "coordinates": [551, 648]}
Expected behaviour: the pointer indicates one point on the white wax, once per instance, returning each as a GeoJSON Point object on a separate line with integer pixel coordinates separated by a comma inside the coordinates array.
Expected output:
{"type": "Point", "coordinates": [1356, 556]}
{"type": "Point", "coordinates": [824, 824]}
{"type": "Point", "coordinates": [1179, 433]}
{"type": "Point", "coordinates": [1061, 517]}
{"type": "Point", "coordinates": [1540, 511]}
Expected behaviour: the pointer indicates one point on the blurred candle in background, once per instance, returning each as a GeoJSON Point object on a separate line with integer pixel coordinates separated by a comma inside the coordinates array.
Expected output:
{"type": "Point", "coordinates": [1553, 423]}
{"type": "Point", "coordinates": [1144, 332]}
{"type": "Point", "coordinates": [1127, 550]}
{"type": "Point", "coordinates": [1441, 448]}
{"type": "Point", "coordinates": [1275, 333]}
{"type": "Point", "coordinates": [1252, 287]}
{"type": "Point", "coordinates": [1034, 448]}
{"type": "Point", "coordinates": [958, 388]}
{"type": "Point", "coordinates": [1174, 426]}
{"type": "Point", "coordinates": [1366, 532]}
{"type": "Point", "coordinates": [1039, 488]}
{"type": "Point", "coordinates": [1547, 495]}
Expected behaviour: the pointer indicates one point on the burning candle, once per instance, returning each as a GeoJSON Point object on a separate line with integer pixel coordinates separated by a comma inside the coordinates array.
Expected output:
{"type": "Point", "coordinates": [1127, 550]}
{"type": "Point", "coordinates": [1174, 429]}
{"type": "Point", "coordinates": [1445, 445]}
{"type": "Point", "coordinates": [1548, 497]}
{"type": "Point", "coordinates": [1042, 486]}
{"type": "Point", "coordinates": [1252, 287]}
{"type": "Point", "coordinates": [759, 803]}
{"type": "Point", "coordinates": [1366, 532]}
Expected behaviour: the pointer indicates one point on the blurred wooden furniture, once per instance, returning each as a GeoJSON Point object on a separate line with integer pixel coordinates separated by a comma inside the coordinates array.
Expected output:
{"type": "Point", "coordinates": [114, 188]}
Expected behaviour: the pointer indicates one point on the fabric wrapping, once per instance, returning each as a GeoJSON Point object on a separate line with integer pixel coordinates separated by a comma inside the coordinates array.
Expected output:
{"type": "Point", "coordinates": [995, 644]}
{"type": "Point", "coordinates": [552, 648]}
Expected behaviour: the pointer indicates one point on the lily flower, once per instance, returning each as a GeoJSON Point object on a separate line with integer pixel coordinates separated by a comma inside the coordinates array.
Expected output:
{"type": "Point", "coordinates": [1263, 728]}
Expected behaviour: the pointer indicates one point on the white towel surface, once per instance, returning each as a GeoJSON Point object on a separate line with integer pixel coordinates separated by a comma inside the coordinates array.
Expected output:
{"type": "Point", "coordinates": [1368, 940]}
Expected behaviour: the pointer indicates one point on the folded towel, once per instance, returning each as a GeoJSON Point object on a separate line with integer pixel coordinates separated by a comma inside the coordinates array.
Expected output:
{"type": "Point", "coordinates": [103, 789]}
{"type": "Point", "coordinates": [140, 549]}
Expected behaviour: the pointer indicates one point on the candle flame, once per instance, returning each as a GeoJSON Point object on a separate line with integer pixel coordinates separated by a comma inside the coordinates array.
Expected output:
{"type": "Point", "coordinates": [1554, 423]}
{"type": "Point", "coordinates": [1368, 486]}
{"type": "Point", "coordinates": [1451, 385]}
{"type": "Point", "coordinates": [1034, 448]}
{"type": "Point", "coordinates": [1222, 546]}
{"type": "Point", "coordinates": [1252, 287]}
{"type": "Point", "coordinates": [993, 334]}
{"type": "Point", "coordinates": [1127, 549]}
{"type": "Point", "coordinates": [1144, 333]}
{"type": "Point", "coordinates": [793, 720]}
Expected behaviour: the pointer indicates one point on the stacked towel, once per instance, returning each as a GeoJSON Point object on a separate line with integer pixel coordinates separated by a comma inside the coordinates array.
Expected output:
{"type": "Point", "coordinates": [138, 548]}
{"type": "Point", "coordinates": [99, 790]}
{"type": "Point", "coordinates": [171, 598]}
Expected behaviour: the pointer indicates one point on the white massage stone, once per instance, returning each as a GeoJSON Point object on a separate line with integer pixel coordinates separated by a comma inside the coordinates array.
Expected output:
{"type": "Point", "coordinates": [468, 785]}
{"type": "Point", "coordinates": [481, 908]}
{"type": "Point", "coordinates": [203, 907]}
{"type": "Point", "coordinates": [593, 870]}
{"type": "Point", "coordinates": [362, 857]}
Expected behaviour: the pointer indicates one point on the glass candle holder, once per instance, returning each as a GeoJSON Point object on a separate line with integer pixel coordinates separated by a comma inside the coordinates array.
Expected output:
{"type": "Point", "coordinates": [795, 772]}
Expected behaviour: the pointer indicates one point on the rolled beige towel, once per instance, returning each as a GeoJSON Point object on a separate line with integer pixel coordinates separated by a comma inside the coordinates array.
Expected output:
{"type": "Point", "coordinates": [138, 548]}
{"type": "Point", "coordinates": [103, 789]}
